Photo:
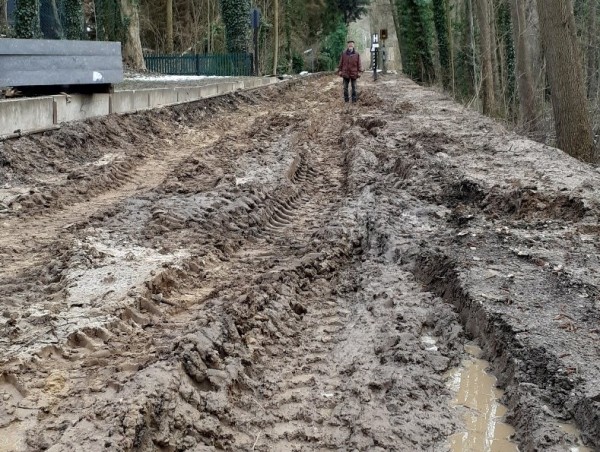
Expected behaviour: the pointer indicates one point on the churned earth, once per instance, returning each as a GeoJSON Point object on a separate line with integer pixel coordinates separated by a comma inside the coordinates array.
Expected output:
{"type": "Point", "coordinates": [268, 271]}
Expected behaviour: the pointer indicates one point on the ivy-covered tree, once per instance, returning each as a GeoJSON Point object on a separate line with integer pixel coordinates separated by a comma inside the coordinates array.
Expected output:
{"type": "Point", "coordinates": [235, 15]}
{"type": "Point", "coordinates": [332, 48]}
{"type": "Point", "coordinates": [73, 19]}
{"type": "Point", "coordinates": [109, 23]}
{"type": "Point", "coordinates": [507, 53]}
{"type": "Point", "coordinates": [351, 10]}
{"type": "Point", "coordinates": [440, 21]}
{"type": "Point", "coordinates": [416, 36]}
{"type": "Point", "coordinates": [27, 19]}
{"type": "Point", "coordinates": [3, 16]}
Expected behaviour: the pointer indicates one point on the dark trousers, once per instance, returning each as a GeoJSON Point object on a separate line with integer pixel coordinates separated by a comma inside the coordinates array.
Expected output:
{"type": "Point", "coordinates": [346, 82]}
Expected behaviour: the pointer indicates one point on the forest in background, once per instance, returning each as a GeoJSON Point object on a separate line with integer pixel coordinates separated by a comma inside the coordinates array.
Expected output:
{"type": "Point", "coordinates": [531, 63]}
{"type": "Point", "coordinates": [288, 28]}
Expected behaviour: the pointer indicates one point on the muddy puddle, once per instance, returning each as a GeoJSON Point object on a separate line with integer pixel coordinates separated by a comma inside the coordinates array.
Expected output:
{"type": "Point", "coordinates": [478, 396]}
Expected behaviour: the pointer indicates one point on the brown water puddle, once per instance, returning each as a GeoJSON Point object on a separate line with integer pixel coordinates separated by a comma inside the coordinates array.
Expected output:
{"type": "Point", "coordinates": [476, 391]}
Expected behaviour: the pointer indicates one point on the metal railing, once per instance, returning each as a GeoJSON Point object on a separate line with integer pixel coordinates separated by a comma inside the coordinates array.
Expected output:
{"type": "Point", "coordinates": [223, 65]}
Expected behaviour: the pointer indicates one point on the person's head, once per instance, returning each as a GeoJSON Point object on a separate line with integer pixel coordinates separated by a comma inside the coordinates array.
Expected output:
{"type": "Point", "coordinates": [350, 45]}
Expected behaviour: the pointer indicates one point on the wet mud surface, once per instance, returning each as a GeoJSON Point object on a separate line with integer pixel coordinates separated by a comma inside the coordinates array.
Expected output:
{"type": "Point", "coordinates": [276, 271]}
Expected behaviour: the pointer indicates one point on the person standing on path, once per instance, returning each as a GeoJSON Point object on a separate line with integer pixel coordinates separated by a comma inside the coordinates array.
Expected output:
{"type": "Point", "coordinates": [350, 69]}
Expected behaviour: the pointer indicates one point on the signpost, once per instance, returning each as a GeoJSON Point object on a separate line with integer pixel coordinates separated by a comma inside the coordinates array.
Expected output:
{"type": "Point", "coordinates": [383, 34]}
{"type": "Point", "coordinates": [374, 53]}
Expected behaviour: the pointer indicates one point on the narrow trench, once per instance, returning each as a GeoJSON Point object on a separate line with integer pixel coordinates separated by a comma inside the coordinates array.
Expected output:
{"type": "Point", "coordinates": [477, 395]}
{"type": "Point", "coordinates": [478, 398]}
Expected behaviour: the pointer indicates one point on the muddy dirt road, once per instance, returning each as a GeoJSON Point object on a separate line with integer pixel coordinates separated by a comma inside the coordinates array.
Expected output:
{"type": "Point", "coordinates": [275, 271]}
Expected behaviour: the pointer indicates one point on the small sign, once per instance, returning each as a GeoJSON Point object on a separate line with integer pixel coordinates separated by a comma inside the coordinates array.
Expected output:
{"type": "Point", "coordinates": [255, 18]}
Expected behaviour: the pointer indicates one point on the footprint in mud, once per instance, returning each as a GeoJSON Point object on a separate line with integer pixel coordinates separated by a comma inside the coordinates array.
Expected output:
{"type": "Point", "coordinates": [80, 340]}
{"type": "Point", "coordinates": [16, 414]}
{"type": "Point", "coordinates": [371, 124]}
{"type": "Point", "coordinates": [10, 388]}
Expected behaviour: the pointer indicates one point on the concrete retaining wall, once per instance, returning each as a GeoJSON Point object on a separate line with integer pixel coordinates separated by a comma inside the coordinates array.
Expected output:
{"type": "Point", "coordinates": [209, 91]}
{"type": "Point", "coordinates": [188, 94]}
{"type": "Point", "coordinates": [81, 106]}
{"type": "Point", "coordinates": [161, 97]}
{"type": "Point", "coordinates": [20, 116]}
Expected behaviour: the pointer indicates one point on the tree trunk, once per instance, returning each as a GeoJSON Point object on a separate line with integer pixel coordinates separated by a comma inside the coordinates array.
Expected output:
{"type": "Point", "coordinates": [441, 29]}
{"type": "Point", "coordinates": [523, 66]}
{"type": "Point", "coordinates": [506, 51]}
{"type": "Point", "coordinates": [471, 37]}
{"type": "Point", "coordinates": [494, 51]}
{"type": "Point", "coordinates": [398, 30]}
{"type": "Point", "coordinates": [487, 70]}
{"type": "Point", "coordinates": [169, 13]}
{"type": "Point", "coordinates": [565, 74]}
{"type": "Point", "coordinates": [132, 46]}
{"type": "Point", "coordinates": [276, 38]}
{"type": "Point", "coordinates": [452, 52]}
{"type": "Point", "coordinates": [74, 21]}
{"type": "Point", "coordinates": [288, 34]}
{"type": "Point", "coordinates": [209, 28]}
{"type": "Point", "coordinates": [592, 50]}
{"type": "Point", "coordinates": [27, 19]}
{"type": "Point", "coordinates": [3, 15]}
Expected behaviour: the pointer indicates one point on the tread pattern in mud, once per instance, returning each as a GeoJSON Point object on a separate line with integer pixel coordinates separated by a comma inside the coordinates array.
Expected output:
{"type": "Point", "coordinates": [259, 272]}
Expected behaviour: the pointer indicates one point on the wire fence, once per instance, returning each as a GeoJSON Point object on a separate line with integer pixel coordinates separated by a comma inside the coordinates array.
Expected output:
{"type": "Point", "coordinates": [235, 64]}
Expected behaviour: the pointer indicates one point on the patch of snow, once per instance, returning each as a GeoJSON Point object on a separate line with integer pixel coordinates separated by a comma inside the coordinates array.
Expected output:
{"type": "Point", "coordinates": [172, 78]}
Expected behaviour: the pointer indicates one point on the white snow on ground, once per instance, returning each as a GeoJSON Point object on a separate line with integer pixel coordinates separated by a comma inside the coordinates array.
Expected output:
{"type": "Point", "coordinates": [171, 78]}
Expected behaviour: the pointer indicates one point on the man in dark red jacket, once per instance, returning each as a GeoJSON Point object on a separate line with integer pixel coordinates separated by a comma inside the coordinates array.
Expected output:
{"type": "Point", "coordinates": [350, 69]}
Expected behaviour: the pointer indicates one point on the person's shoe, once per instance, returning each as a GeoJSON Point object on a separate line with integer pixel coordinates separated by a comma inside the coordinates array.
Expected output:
{"type": "Point", "coordinates": [353, 101]}
{"type": "Point", "coordinates": [346, 100]}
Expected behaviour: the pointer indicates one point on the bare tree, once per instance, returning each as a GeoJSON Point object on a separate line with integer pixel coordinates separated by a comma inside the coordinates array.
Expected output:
{"type": "Point", "coordinates": [3, 15]}
{"type": "Point", "coordinates": [494, 49]}
{"type": "Point", "coordinates": [565, 74]}
{"type": "Point", "coordinates": [523, 65]}
{"type": "Point", "coordinates": [592, 50]}
{"type": "Point", "coordinates": [169, 14]}
{"type": "Point", "coordinates": [485, 44]}
{"type": "Point", "coordinates": [132, 45]}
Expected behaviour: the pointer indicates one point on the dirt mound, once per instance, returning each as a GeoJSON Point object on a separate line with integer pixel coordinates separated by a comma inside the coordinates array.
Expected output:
{"type": "Point", "coordinates": [368, 97]}
{"type": "Point", "coordinates": [531, 205]}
